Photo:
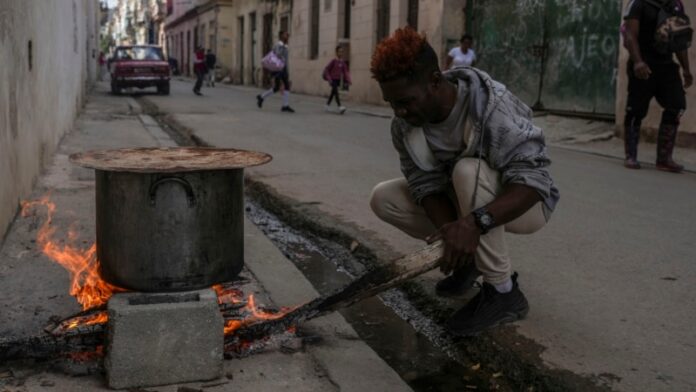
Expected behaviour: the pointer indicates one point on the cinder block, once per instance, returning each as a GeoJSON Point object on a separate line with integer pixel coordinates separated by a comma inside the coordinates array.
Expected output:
{"type": "Point", "coordinates": [164, 338]}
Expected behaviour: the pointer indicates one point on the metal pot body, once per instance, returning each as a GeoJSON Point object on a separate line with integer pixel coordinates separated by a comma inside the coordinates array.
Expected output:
{"type": "Point", "coordinates": [170, 231]}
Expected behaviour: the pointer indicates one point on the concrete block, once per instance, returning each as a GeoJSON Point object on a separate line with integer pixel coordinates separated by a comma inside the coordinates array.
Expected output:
{"type": "Point", "coordinates": [163, 338]}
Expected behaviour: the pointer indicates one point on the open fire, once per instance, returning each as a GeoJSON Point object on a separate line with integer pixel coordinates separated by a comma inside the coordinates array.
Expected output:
{"type": "Point", "coordinates": [92, 292]}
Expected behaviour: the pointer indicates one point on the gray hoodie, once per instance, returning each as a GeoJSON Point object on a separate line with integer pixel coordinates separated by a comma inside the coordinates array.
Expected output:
{"type": "Point", "coordinates": [511, 144]}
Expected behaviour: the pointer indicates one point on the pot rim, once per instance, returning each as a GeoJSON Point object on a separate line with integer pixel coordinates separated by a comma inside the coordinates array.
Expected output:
{"type": "Point", "coordinates": [169, 159]}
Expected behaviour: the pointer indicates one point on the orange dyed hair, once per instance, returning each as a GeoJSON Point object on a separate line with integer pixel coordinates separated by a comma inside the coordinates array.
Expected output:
{"type": "Point", "coordinates": [401, 54]}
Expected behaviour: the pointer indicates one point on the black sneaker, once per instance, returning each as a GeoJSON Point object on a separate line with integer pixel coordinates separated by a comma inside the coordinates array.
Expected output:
{"type": "Point", "coordinates": [259, 101]}
{"type": "Point", "coordinates": [461, 280]}
{"type": "Point", "coordinates": [287, 109]}
{"type": "Point", "coordinates": [489, 309]}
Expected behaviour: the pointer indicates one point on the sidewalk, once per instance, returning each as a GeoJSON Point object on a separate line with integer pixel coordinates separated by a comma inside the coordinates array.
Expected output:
{"type": "Point", "coordinates": [33, 288]}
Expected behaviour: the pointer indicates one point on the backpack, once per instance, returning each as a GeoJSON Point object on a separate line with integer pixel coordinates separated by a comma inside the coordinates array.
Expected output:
{"type": "Point", "coordinates": [673, 32]}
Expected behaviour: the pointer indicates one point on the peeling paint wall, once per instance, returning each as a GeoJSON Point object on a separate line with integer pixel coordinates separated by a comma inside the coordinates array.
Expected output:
{"type": "Point", "coordinates": [687, 134]}
{"type": "Point", "coordinates": [48, 51]}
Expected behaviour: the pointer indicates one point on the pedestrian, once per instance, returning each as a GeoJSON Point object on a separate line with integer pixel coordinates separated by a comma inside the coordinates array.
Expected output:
{"type": "Point", "coordinates": [337, 73]}
{"type": "Point", "coordinates": [652, 72]}
{"type": "Point", "coordinates": [474, 166]}
{"type": "Point", "coordinates": [199, 68]}
{"type": "Point", "coordinates": [210, 60]}
{"type": "Point", "coordinates": [462, 55]}
{"type": "Point", "coordinates": [102, 66]}
{"type": "Point", "coordinates": [281, 50]}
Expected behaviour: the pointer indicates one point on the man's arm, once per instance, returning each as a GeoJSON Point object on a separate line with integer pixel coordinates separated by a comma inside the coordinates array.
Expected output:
{"type": "Point", "coordinates": [683, 58]}
{"type": "Point", "coordinates": [640, 68]}
{"type": "Point", "coordinates": [462, 236]}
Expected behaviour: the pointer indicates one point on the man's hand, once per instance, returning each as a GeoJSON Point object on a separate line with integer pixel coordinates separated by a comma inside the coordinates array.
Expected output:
{"type": "Point", "coordinates": [461, 238]}
{"type": "Point", "coordinates": [641, 70]}
{"type": "Point", "coordinates": [688, 79]}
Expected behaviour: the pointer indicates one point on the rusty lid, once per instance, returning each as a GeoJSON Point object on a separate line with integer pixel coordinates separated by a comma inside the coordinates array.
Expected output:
{"type": "Point", "coordinates": [169, 160]}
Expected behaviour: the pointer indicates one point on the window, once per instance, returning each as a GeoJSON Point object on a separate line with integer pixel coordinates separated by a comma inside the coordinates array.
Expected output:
{"type": "Point", "coordinates": [382, 19]}
{"type": "Point", "coordinates": [412, 18]}
{"type": "Point", "coordinates": [314, 30]}
{"type": "Point", "coordinates": [285, 23]}
{"type": "Point", "coordinates": [170, 7]}
{"type": "Point", "coordinates": [346, 18]}
{"type": "Point", "coordinates": [139, 53]}
{"type": "Point", "coordinates": [30, 55]}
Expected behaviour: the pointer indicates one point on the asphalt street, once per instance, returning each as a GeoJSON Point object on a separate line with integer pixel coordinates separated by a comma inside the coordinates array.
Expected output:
{"type": "Point", "coordinates": [610, 279]}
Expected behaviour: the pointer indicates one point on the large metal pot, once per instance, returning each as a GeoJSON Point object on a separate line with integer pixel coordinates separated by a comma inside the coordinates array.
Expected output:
{"type": "Point", "coordinates": [169, 224]}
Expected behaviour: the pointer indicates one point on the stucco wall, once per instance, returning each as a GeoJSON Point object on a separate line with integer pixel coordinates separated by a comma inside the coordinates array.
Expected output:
{"type": "Point", "coordinates": [39, 105]}
{"type": "Point", "coordinates": [687, 134]}
{"type": "Point", "coordinates": [246, 67]}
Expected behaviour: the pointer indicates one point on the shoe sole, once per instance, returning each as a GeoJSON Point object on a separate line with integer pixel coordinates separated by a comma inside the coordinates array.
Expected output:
{"type": "Point", "coordinates": [509, 317]}
{"type": "Point", "coordinates": [668, 170]}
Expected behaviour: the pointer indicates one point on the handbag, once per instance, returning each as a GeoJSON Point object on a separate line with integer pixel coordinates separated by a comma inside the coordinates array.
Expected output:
{"type": "Point", "coordinates": [272, 62]}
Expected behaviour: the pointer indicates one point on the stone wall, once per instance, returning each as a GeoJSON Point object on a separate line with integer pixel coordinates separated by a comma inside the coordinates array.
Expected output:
{"type": "Point", "coordinates": [687, 134]}
{"type": "Point", "coordinates": [48, 51]}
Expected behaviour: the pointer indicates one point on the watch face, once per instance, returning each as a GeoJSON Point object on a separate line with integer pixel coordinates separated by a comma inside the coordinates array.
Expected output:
{"type": "Point", "coordinates": [486, 220]}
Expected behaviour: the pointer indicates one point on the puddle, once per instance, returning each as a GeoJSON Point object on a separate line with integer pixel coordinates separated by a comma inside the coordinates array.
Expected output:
{"type": "Point", "coordinates": [408, 341]}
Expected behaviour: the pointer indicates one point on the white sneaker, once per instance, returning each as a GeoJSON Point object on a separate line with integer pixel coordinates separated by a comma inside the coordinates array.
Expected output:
{"type": "Point", "coordinates": [327, 108]}
{"type": "Point", "coordinates": [341, 109]}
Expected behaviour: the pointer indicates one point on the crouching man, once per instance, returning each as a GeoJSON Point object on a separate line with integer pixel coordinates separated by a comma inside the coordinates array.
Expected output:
{"type": "Point", "coordinates": [474, 168]}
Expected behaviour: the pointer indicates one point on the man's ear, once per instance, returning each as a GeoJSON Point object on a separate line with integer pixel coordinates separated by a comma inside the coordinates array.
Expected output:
{"type": "Point", "coordinates": [435, 79]}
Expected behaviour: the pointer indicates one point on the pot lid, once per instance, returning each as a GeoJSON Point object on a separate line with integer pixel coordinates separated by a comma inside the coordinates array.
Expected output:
{"type": "Point", "coordinates": [169, 160]}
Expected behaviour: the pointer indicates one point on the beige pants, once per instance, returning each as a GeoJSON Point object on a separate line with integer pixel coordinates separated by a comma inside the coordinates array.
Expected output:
{"type": "Point", "coordinates": [392, 202]}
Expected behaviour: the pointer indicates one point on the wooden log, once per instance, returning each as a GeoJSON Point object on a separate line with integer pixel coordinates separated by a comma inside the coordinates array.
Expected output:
{"type": "Point", "coordinates": [373, 282]}
{"type": "Point", "coordinates": [49, 346]}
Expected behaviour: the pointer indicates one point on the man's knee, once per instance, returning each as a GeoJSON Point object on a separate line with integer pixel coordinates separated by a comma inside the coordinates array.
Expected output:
{"type": "Point", "coordinates": [379, 200]}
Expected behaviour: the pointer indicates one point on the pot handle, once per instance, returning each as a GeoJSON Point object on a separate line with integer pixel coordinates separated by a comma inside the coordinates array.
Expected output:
{"type": "Point", "coordinates": [187, 187]}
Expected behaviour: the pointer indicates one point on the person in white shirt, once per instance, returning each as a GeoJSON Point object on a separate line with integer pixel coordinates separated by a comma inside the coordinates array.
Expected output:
{"type": "Point", "coordinates": [462, 55]}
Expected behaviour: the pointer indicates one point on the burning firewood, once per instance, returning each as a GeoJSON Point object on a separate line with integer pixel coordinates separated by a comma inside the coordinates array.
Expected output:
{"type": "Point", "coordinates": [246, 330]}
{"type": "Point", "coordinates": [371, 283]}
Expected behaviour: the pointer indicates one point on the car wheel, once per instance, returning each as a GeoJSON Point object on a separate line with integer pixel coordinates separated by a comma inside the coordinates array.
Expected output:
{"type": "Point", "coordinates": [115, 90]}
{"type": "Point", "coordinates": [163, 88]}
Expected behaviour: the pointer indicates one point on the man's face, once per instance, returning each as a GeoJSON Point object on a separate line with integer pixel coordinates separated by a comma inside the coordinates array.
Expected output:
{"type": "Point", "coordinates": [410, 100]}
{"type": "Point", "coordinates": [285, 37]}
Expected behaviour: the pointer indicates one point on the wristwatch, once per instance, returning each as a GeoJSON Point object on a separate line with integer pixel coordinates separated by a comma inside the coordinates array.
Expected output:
{"type": "Point", "coordinates": [484, 220]}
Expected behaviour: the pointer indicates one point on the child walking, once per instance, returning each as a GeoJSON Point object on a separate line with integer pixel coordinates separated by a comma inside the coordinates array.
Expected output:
{"type": "Point", "coordinates": [335, 72]}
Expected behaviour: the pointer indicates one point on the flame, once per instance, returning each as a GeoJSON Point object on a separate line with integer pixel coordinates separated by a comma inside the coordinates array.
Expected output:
{"type": "Point", "coordinates": [82, 264]}
{"type": "Point", "coordinates": [91, 291]}
{"type": "Point", "coordinates": [252, 312]}
{"type": "Point", "coordinates": [98, 318]}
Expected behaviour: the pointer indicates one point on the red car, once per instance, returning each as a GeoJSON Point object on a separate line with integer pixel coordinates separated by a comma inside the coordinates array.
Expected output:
{"type": "Point", "coordinates": [139, 66]}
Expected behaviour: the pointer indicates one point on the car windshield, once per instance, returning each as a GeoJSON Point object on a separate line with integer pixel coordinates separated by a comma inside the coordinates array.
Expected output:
{"type": "Point", "coordinates": [139, 53]}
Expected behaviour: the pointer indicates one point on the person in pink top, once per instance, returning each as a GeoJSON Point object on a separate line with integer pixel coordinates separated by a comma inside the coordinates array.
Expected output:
{"type": "Point", "coordinates": [199, 68]}
{"type": "Point", "coordinates": [335, 72]}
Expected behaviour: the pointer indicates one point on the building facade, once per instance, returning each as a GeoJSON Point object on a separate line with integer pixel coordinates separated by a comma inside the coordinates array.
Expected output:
{"type": "Point", "coordinates": [318, 27]}
{"type": "Point", "coordinates": [238, 32]}
{"type": "Point", "coordinates": [136, 22]}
